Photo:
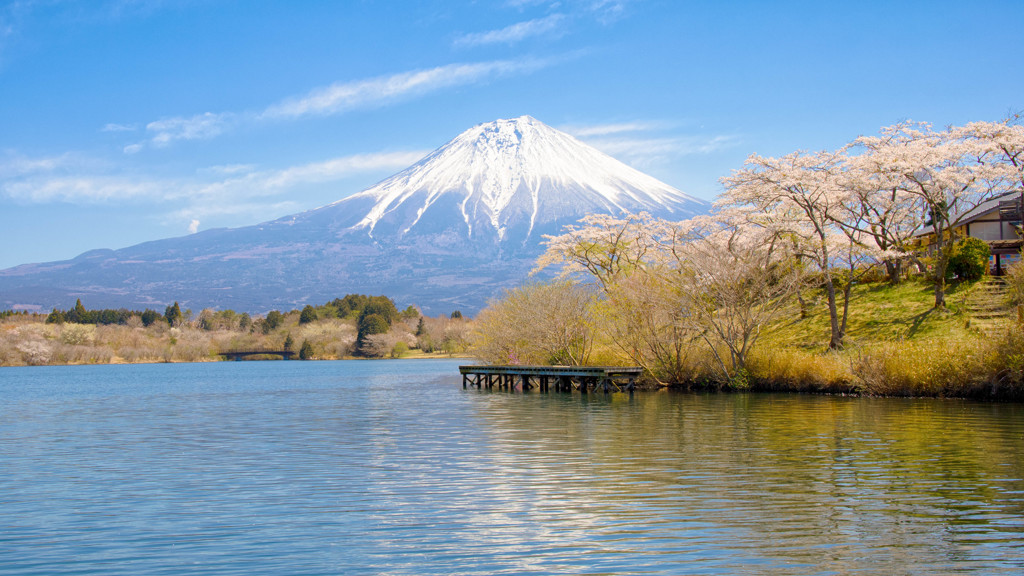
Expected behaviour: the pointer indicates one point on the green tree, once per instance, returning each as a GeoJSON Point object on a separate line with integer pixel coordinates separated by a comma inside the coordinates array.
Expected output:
{"type": "Point", "coordinates": [149, 317]}
{"type": "Point", "coordinates": [399, 350]}
{"type": "Point", "coordinates": [421, 327]}
{"type": "Point", "coordinates": [78, 314]}
{"type": "Point", "coordinates": [173, 314]}
{"type": "Point", "coordinates": [55, 317]}
{"type": "Point", "coordinates": [410, 312]}
{"type": "Point", "coordinates": [308, 315]}
{"type": "Point", "coordinates": [273, 321]}
{"type": "Point", "coordinates": [306, 352]}
{"type": "Point", "coordinates": [370, 324]}
{"type": "Point", "coordinates": [456, 315]}
{"type": "Point", "coordinates": [382, 306]}
{"type": "Point", "coordinates": [373, 324]}
{"type": "Point", "coordinates": [970, 259]}
{"type": "Point", "coordinates": [289, 342]}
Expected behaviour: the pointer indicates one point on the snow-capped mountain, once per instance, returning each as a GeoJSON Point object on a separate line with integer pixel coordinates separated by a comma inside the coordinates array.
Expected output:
{"type": "Point", "coordinates": [448, 232]}
{"type": "Point", "coordinates": [511, 174]}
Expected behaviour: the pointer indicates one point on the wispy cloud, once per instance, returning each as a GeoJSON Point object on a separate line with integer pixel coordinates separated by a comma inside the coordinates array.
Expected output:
{"type": "Point", "coordinates": [513, 33]}
{"type": "Point", "coordinates": [615, 128]}
{"type": "Point", "coordinates": [119, 128]}
{"type": "Point", "coordinates": [376, 92]}
{"type": "Point", "coordinates": [14, 166]}
{"type": "Point", "coordinates": [647, 152]}
{"type": "Point", "coordinates": [608, 11]}
{"type": "Point", "coordinates": [198, 127]}
{"type": "Point", "coordinates": [272, 182]}
{"type": "Point", "coordinates": [645, 144]}
{"type": "Point", "coordinates": [75, 180]}
{"type": "Point", "coordinates": [604, 11]}
{"type": "Point", "coordinates": [83, 189]}
{"type": "Point", "coordinates": [332, 100]}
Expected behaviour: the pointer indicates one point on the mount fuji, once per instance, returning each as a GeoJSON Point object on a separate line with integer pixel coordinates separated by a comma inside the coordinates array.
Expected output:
{"type": "Point", "coordinates": [449, 232]}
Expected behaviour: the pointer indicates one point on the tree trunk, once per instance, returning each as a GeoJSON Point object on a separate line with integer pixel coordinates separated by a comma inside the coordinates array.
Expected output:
{"type": "Point", "coordinates": [940, 289]}
{"type": "Point", "coordinates": [941, 264]}
{"type": "Point", "coordinates": [836, 340]}
{"type": "Point", "coordinates": [846, 309]}
{"type": "Point", "coordinates": [894, 269]}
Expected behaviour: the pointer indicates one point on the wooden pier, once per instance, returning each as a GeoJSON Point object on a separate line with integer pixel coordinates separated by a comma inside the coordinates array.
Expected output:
{"type": "Point", "coordinates": [544, 378]}
{"type": "Point", "coordinates": [240, 354]}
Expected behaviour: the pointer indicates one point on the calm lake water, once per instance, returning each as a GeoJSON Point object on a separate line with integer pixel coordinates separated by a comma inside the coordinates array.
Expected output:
{"type": "Point", "coordinates": [390, 467]}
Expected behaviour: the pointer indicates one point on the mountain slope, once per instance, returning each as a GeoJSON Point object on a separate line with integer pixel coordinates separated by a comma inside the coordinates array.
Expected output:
{"type": "Point", "coordinates": [448, 232]}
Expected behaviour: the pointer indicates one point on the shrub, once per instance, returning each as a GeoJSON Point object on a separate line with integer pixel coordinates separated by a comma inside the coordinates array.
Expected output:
{"type": "Point", "coordinates": [792, 369]}
{"type": "Point", "coordinates": [306, 351]}
{"type": "Point", "coordinates": [35, 353]}
{"type": "Point", "coordinates": [77, 334]}
{"type": "Point", "coordinates": [308, 315]}
{"type": "Point", "coordinates": [1014, 279]}
{"type": "Point", "coordinates": [399, 350]}
{"type": "Point", "coordinates": [970, 259]}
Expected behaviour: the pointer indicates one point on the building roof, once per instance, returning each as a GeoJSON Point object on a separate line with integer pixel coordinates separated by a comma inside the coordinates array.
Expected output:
{"type": "Point", "coordinates": [983, 209]}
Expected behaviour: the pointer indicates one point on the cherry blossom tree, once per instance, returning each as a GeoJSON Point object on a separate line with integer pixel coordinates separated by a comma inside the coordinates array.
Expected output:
{"type": "Point", "coordinates": [602, 245]}
{"type": "Point", "coordinates": [873, 216]}
{"type": "Point", "coordinates": [947, 173]}
{"type": "Point", "coordinates": [549, 323]}
{"type": "Point", "coordinates": [798, 196]}
{"type": "Point", "coordinates": [734, 277]}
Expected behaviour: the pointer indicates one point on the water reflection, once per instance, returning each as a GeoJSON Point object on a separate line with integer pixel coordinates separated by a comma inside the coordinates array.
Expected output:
{"type": "Point", "coordinates": [832, 484]}
{"type": "Point", "coordinates": [393, 468]}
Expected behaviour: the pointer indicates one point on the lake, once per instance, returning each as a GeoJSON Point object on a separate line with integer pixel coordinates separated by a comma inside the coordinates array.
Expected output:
{"type": "Point", "coordinates": [391, 467]}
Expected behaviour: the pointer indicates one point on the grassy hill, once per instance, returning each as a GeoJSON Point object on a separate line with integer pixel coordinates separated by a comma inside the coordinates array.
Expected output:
{"type": "Point", "coordinates": [898, 344]}
{"type": "Point", "coordinates": [879, 312]}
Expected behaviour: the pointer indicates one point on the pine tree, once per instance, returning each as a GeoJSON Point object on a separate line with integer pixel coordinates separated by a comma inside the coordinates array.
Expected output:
{"type": "Point", "coordinates": [173, 314]}
{"type": "Point", "coordinates": [308, 315]}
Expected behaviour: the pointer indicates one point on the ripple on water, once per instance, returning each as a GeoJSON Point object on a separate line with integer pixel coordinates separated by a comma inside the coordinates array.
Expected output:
{"type": "Point", "coordinates": [393, 468]}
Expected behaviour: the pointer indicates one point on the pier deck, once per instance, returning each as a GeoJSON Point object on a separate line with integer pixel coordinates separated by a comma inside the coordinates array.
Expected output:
{"type": "Point", "coordinates": [240, 354]}
{"type": "Point", "coordinates": [562, 378]}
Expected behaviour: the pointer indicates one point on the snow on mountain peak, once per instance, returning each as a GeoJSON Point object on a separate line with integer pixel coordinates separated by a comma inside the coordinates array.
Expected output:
{"type": "Point", "coordinates": [516, 172]}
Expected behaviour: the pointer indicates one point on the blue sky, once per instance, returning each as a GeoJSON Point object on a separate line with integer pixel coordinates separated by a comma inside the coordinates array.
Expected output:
{"type": "Point", "coordinates": [123, 121]}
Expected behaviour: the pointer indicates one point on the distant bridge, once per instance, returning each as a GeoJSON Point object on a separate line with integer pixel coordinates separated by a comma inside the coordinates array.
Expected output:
{"type": "Point", "coordinates": [242, 354]}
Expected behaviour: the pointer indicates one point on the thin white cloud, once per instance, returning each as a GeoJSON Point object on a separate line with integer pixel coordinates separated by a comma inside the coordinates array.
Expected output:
{"type": "Point", "coordinates": [514, 33]}
{"type": "Point", "coordinates": [335, 99]}
{"type": "Point", "coordinates": [376, 92]}
{"type": "Point", "coordinates": [272, 182]}
{"type": "Point", "coordinates": [119, 128]}
{"type": "Point", "coordinates": [244, 210]}
{"type": "Point", "coordinates": [660, 147]}
{"type": "Point", "coordinates": [645, 145]}
{"type": "Point", "coordinates": [74, 180]}
{"type": "Point", "coordinates": [604, 11]}
{"type": "Point", "coordinates": [84, 189]}
{"type": "Point", "coordinates": [193, 226]}
{"type": "Point", "coordinates": [615, 128]}
{"type": "Point", "coordinates": [608, 11]}
{"type": "Point", "coordinates": [13, 165]}
{"type": "Point", "coordinates": [228, 169]}
{"type": "Point", "coordinates": [198, 127]}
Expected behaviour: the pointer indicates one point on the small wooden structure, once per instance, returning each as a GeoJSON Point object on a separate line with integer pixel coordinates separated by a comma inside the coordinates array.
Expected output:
{"type": "Point", "coordinates": [563, 378]}
{"type": "Point", "coordinates": [240, 354]}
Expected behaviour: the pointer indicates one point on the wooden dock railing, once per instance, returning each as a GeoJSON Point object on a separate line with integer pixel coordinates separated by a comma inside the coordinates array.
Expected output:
{"type": "Point", "coordinates": [563, 378]}
{"type": "Point", "coordinates": [240, 354]}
